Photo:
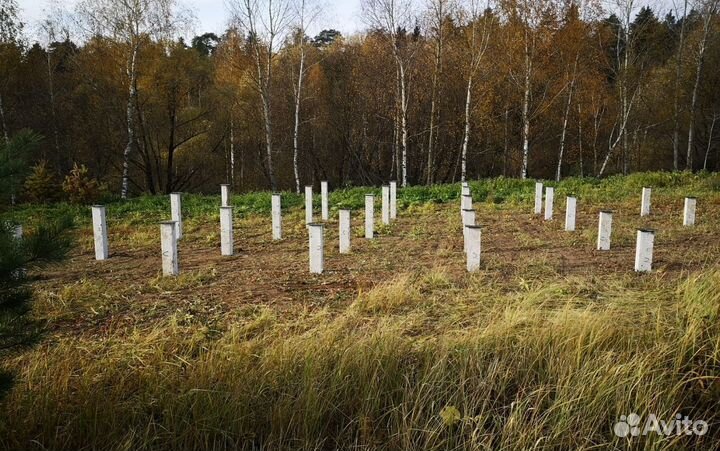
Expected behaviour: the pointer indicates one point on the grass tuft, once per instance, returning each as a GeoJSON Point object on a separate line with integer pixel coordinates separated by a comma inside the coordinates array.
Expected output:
{"type": "Point", "coordinates": [544, 348]}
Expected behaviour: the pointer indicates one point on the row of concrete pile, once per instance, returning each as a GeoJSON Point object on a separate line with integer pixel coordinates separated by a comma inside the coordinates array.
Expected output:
{"type": "Point", "coordinates": [645, 237]}
{"type": "Point", "coordinates": [172, 231]}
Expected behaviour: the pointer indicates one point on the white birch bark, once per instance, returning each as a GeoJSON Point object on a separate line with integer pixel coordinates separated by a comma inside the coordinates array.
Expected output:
{"type": "Point", "coordinates": [266, 21]}
{"type": "Point", "coordinates": [403, 117]}
{"type": "Point", "coordinates": [710, 140]}
{"type": "Point", "coordinates": [626, 102]}
{"type": "Point", "coordinates": [232, 151]}
{"type": "Point", "coordinates": [391, 16]}
{"type": "Point", "coordinates": [526, 108]}
{"type": "Point", "coordinates": [130, 22]}
{"type": "Point", "coordinates": [305, 14]}
{"type": "Point", "coordinates": [466, 134]}
{"type": "Point", "coordinates": [566, 118]}
{"type": "Point", "coordinates": [477, 45]}
{"type": "Point", "coordinates": [130, 119]}
{"type": "Point", "coordinates": [438, 15]}
{"type": "Point", "coordinates": [296, 129]}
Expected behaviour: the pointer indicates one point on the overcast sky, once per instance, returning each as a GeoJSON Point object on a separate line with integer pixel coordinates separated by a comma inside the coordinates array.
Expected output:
{"type": "Point", "coordinates": [212, 15]}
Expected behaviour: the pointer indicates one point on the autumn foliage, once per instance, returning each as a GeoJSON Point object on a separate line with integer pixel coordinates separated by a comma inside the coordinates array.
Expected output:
{"type": "Point", "coordinates": [541, 89]}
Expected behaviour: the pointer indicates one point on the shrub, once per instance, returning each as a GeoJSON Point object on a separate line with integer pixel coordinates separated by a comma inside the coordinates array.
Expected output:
{"type": "Point", "coordinates": [80, 188]}
{"type": "Point", "coordinates": [41, 186]}
{"type": "Point", "coordinates": [13, 163]}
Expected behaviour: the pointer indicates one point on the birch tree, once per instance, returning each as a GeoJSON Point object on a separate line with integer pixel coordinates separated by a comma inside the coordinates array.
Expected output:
{"type": "Point", "coordinates": [305, 14]}
{"type": "Point", "coordinates": [572, 79]}
{"type": "Point", "coordinates": [394, 18]}
{"type": "Point", "coordinates": [231, 62]}
{"type": "Point", "coordinates": [708, 10]}
{"type": "Point", "coordinates": [438, 12]}
{"type": "Point", "coordinates": [573, 54]}
{"type": "Point", "coordinates": [478, 34]}
{"type": "Point", "coordinates": [54, 30]}
{"type": "Point", "coordinates": [10, 25]}
{"type": "Point", "coordinates": [528, 66]}
{"type": "Point", "coordinates": [715, 118]}
{"type": "Point", "coordinates": [627, 95]}
{"type": "Point", "coordinates": [529, 30]}
{"type": "Point", "coordinates": [266, 23]}
{"type": "Point", "coordinates": [131, 23]}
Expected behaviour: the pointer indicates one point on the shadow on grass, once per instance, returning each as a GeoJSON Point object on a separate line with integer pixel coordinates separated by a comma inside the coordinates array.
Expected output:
{"type": "Point", "coordinates": [17, 332]}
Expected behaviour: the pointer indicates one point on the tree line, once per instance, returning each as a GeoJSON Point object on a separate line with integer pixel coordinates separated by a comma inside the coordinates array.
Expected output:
{"type": "Point", "coordinates": [433, 91]}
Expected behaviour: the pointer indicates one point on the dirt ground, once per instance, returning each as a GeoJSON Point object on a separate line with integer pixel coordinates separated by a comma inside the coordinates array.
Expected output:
{"type": "Point", "coordinates": [515, 244]}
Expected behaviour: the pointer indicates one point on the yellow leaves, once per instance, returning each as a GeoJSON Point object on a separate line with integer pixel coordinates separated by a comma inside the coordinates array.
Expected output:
{"type": "Point", "coordinates": [450, 415]}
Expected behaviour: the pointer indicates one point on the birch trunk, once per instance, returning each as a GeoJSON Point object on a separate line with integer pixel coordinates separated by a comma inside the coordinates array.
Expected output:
{"type": "Point", "coordinates": [132, 99]}
{"type": "Point", "coordinates": [267, 115]}
{"type": "Point", "coordinates": [466, 137]}
{"type": "Point", "coordinates": [707, 20]}
{"type": "Point", "coordinates": [506, 144]}
{"type": "Point", "coordinates": [242, 167]}
{"type": "Point", "coordinates": [526, 110]}
{"type": "Point", "coordinates": [439, 16]}
{"type": "Point", "coordinates": [264, 87]}
{"type": "Point", "coordinates": [296, 131]}
{"type": "Point", "coordinates": [624, 135]}
{"type": "Point", "coordinates": [263, 21]}
{"type": "Point", "coordinates": [710, 140]}
{"type": "Point", "coordinates": [580, 141]}
{"type": "Point", "coordinates": [395, 145]}
{"type": "Point", "coordinates": [433, 106]}
{"type": "Point", "coordinates": [403, 119]}
{"type": "Point", "coordinates": [477, 47]}
{"type": "Point", "coordinates": [394, 16]}
{"type": "Point", "coordinates": [395, 165]}
{"type": "Point", "coordinates": [598, 114]}
{"type": "Point", "coordinates": [231, 176]}
{"type": "Point", "coordinates": [526, 127]}
{"type": "Point", "coordinates": [566, 116]}
{"type": "Point", "coordinates": [625, 104]}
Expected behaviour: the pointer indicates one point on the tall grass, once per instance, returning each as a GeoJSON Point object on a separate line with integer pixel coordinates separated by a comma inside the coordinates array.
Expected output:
{"type": "Point", "coordinates": [462, 367]}
{"type": "Point", "coordinates": [420, 362]}
{"type": "Point", "coordinates": [153, 209]}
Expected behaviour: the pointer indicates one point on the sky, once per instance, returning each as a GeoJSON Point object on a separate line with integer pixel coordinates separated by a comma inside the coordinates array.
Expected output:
{"type": "Point", "coordinates": [213, 15]}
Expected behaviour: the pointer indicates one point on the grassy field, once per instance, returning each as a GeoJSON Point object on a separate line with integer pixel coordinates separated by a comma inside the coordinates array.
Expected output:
{"type": "Point", "coordinates": [396, 346]}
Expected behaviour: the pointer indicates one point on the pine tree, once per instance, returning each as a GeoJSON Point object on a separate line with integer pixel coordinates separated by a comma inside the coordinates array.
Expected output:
{"type": "Point", "coordinates": [14, 156]}
{"type": "Point", "coordinates": [41, 186]}
{"type": "Point", "coordinates": [45, 244]}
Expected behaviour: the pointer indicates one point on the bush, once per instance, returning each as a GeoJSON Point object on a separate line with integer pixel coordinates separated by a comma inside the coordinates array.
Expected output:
{"type": "Point", "coordinates": [41, 186]}
{"type": "Point", "coordinates": [13, 163]}
{"type": "Point", "coordinates": [80, 188]}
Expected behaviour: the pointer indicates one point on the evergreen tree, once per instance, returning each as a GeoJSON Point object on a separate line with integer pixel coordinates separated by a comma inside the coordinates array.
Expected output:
{"type": "Point", "coordinates": [45, 244]}
{"type": "Point", "coordinates": [14, 157]}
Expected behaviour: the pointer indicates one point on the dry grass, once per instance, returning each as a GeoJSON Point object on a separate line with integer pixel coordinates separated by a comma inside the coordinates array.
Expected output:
{"type": "Point", "coordinates": [396, 347]}
{"type": "Point", "coordinates": [544, 367]}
